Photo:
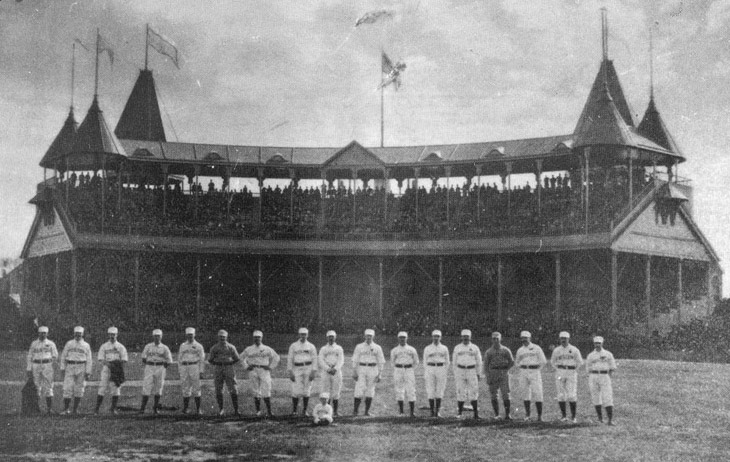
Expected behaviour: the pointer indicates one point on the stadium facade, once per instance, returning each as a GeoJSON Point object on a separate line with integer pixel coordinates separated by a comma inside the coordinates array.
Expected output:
{"type": "Point", "coordinates": [125, 232]}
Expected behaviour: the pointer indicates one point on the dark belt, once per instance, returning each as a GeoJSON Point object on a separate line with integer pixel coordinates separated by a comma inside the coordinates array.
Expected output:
{"type": "Point", "coordinates": [599, 372]}
{"type": "Point", "coordinates": [499, 368]}
{"type": "Point", "coordinates": [75, 362]}
{"type": "Point", "coordinates": [404, 366]}
{"type": "Point", "coordinates": [473, 366]}
{"type": "Point", "coordinates": [154, 364]}
{"type": "Point", "coordinates": [529, 367]}
{"type": "Point", "coordinates": [308, 363]}
{"type": "Point", "coordinates": [261, 365]}
{"type": "Point", "coordinates": [188, 363]}
{"type": "Point", "coordinates": [368, 364]}
{"type": "Point", "coordinates": [570, 368]}
{"type": "Point", "coordinates": [435, 364]}
{"type": "Point", "coordinates": [42, 361]}
{"type": "Point", "coordinates": [218, 363]}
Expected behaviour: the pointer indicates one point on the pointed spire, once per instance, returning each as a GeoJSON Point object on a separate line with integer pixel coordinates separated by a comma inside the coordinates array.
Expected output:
{"type": "Point", "coordinates": [652, 126]}
{"type": "Point", "coordinates": [95, 142]}
{"type": "Point", "coordinates": [603, 124]}
{"type": "Point", "coordinates": [141, 118]}
{"type": "Point", "coordinates": [62, 144]}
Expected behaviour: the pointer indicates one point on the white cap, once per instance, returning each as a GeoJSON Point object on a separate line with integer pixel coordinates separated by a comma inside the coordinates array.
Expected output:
{"type": "Point", "coordinates": [525, 333]}
{"type": "Point", "coordinates": [157, 332]}
{"type": "Point", "coordinates": [370, 332]}
{"type": "Point", "coordinates": [598, 339]}
{"type": "Point", "coordinates": [190, 330]}
{"type": "Point", "coordinates": [258, 333]}
{"type": "Point", "coordinates": [43, 329]}
{"type": "Point", "coordinates": [466, 333]}
{"type": "Point", "coordinates": [403, 334]}
{"type": "Point", "coordinates": [496, 335]}
{"type": "Point", "coordinates": [303, 330]}
{"type": "Point", "coordinates": [112, 330]}
{"type": "Point", "coordinates": [78, 329]}
{"type": "Point", "coordinates": [223, 333]}
{"type": "Point", "coordinates": [324, 395]}
{"type": "Point", "coordinates": [331, 333]}
{"type": "Point", "coordinates": [564, 334]}
{"type": "Point", "coordinates": [436, 332]}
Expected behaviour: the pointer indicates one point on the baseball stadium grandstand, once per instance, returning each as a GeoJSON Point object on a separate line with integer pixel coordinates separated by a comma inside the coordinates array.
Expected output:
{"type": "Point", "coordinates": [586, 231]}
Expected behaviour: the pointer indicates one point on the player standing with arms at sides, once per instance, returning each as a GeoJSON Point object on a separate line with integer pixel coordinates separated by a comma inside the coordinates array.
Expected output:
{"type": "Point", "coordinates": [259, 359]}
{"type": "Point", "coordinates": [530, 359]}
{"type": "Point", "coordinates": [566, 359]}
{"type": "Point", "coordinates": [191, 364]}
{"type": "Point", "coordinates": [600, 365]}
{"type": "Point", "coordinates": [467, 362]}
{"type": "Point", "coordinates": [76, 362]}
{"type": "Point", "coordinates": [224, 356]}
{"type": "Point", "coordinates": [436, 368]}
{"type": "Point", "coordinates": [113, 356]}
{"type": "Point", "coordinates": [41, 356]}
{"type": "Point", "coordinates": [367, 363]}
{"type": "Point", "coordinates": [404, 359]}
{"type": "Point", "coordinates": [498, 361]}
{"type": "Point", "coordinates": [331, 360]}
{"type": "Point", "coordinates": [156, 357]}
{"type": "Point", "coordinates": [300, 364]}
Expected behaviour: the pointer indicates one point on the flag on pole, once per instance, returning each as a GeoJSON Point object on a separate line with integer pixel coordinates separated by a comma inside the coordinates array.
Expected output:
{"type": "Point", "coordinates": [82, 44]}
{"type": "Point", "coordinates": [163, 45]}
{"type": "Point", "coordinates": [392, 72]}
{"type": "Point", "coordinates": [372, 17]}
{"type": "Point", "coordinates": [102, 45]}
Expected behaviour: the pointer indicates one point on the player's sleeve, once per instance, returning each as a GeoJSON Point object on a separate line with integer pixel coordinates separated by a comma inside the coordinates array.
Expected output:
{"type": "Point", "coordinates": [275, 358]}
{"type": "Point", "coordinates": [62, 358]}
{"type": "Point", "coordinates": [479, 362]}
{"type": "Point", "coordinates": [146, 351]}
{"type": "Point", "coordinates": [313, 353]}
{"type": "Point", "coordinates": [168, 355]}
{"type": "Point", "coordinates": [554, 357]}
{"type": "Point", "coordinates": [453, 359]}
{"type": "Point", "coordinates": [29, 359]}
{"type": "Point", "coordinates": [611, 362]}
{"type": "Point", "coordinates": [511, 360]}
{"type": "Point", "coordinates": [201, 359]}
{"type": "Point", "coordinates": [447, 359]}
{"type": "Point", "coordinates": [320, 360]}
{"type": "Point", "coordinates": [340, 358]}
{"type": "Point", "coordinates": [392, 356]}
{"type": "Point", "coordinates": [356, 356]}
{"type": "Point", "coordinates": [234, 354]}
{"type": "Point", "coordinates": [123, 353]}
{"type": "Point", "coordinates": [244, 358]}
{"type": "Point", "coordinates": [578, 358]}
{"type": "Point", "coordinates": [54, 351]}
{"type": "Point", "coordinates": [90, 357]}
{"type": "Point", "coordinates": [290, 358]}
{"type": "Point", "coordinates": [543, 360]}
{"type": "Point", "coordinates": [414, 353]}
{"type": "Point", "coordinates": [381, 359]}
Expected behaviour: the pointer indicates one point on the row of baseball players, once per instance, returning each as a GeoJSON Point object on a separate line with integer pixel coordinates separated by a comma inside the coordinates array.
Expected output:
{"type": "Point", "coordinates": [303, 363]}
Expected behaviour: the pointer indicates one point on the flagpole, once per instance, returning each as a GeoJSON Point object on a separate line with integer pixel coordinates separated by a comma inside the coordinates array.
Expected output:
{"type": "Point", "coordinates": [96, 67]}
{"type": "Point", "coordinates": [146, 45]}
{"type": "Point", "coordinates": [382, 123]}
{"type": "Point", "coordinates": [73, 72]}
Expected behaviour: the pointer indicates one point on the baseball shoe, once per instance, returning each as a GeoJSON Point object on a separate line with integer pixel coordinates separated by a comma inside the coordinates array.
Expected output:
{"type": "Point", "coordinates": [563, 419]}
{"type": "Point", "coordinates": [367, 414]}
{"type": "Point", "coordinates": [459, 416]}
{"type": "Point", "coordinates": [574, 420]}
{"type": "Point", "coordinates": [259, 413]}
{"type": "Point", "coordinates": [527, 418]}
{"type": "Point", "coordinates": [221, 413]}
{"type": "Point", "coordinates": [113, 412]}
{"type": "Point", "coordinates": [155, 411]}
{"type": "Point", "coordinates": [476, 417]}
{"type": "Point", "coordinates": [185, 411]}
{"type": "Point", "coordinates": [198, 412]}
{"type": "Point", "coordinates": [294, 414]}
{"type": "Point", "coordinates": [610, 423]}
{"type": "Point", "coordinates": [497, 418]}
{"type": "Point", "coordinates": [237, 415]}
{"type": "Point", "coordinates": [539, 418]}
{"type": "Point", "coordinates": [140, 412]}
{"type": "Point", "coordinates": [354, 414]}
{"type": "Point", "coordinates": [508, 418]}
{"type": "Point", "coordinates": [65, 412]}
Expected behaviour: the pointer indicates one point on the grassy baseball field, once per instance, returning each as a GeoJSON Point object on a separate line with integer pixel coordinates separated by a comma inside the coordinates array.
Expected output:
{"type": "Point", "coordinates": [664, 411]}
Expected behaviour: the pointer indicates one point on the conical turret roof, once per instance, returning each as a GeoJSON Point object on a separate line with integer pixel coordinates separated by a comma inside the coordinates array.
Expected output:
{"type": "Point", "coordinates": [602, 124]}
{"type": "Point", "coordinates": [607, 74]}
{"type": "Point", "coordinates": [141, 119]}
{"type": "Point", "coordinates": [95, 143]}
{"type": "Point", "coordinates": [62, 144]}
{"type": "Point", "coordinates": [652, 126]}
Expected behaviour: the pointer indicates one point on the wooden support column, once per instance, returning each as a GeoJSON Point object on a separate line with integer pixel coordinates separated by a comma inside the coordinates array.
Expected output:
{"type": "Point", "coordinates": [440, 314]}
{"type": "Point", "coordinates": [558, 295]}
{"type": "Point", "coordinates": [508, 170]}
{"type": "Point", "coordinates": [380, 289]}
{"type": "Point", "coordinates": [165, 169]}
{"type": "Point", "coordinates": [198, 293]}
{"type": "Point", "coordinates": [136, 289]}
{"type": "Point", "coordinates": [260, 178]}
{"type": "Point", "coordinates": [680, 292]}
{"type": "Point", "coordinates": [447, 171]}
{"type": "Point", "coordinates": [196, 193]}
{"type": "Point", "coordinates": [320, 288]}
{"type": "Point", "coordinates": [586, 157]}
{"type": "Point", "coordinates": [614, 286]}
{"type": "Point", "coordinates": [259, 288]}
{"type": "Point", "coordinates": [57, 283]}
{"type": "Point", "coordinates": [500, 292]}
{"type": "Point", "coordinates": [538, 180]}
{"type": "Point", "coordinates": [416, 174]}
{"type": "Point", "coordinates": [119, 188]}
{"type": "Point", "coordinates": [354, 195]}
{"type": "Point", "coordinates": [323, 201]}
{"type": "Point", "coordinates": [74, 281]}
{"type": "Point", "coordinates": [647, 291]}
{"type": "Point", "coordinates": [478, 169]}
{"type": "Point", "coordinates": [631, 178]}
{"type": "Point", "coordinates": [292, 184]}
{"type": "Point", "coordinates": [386, 191]}
{"type": "Point", "coordinates": [103, 192]}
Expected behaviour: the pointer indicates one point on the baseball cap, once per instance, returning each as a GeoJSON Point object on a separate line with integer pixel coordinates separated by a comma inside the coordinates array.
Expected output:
{"type": "Point", "coordinates": [436, 332]}
{"type": "Point", "coordinates": [324, 395]}
{"type": "Point", "coordinates": [222, 333]}
{"type": "Point", "coordinates": [112, 330]}
{"type": "Point", "coordinates": [43, 329]}
{"type": "Point", "coordinates": [331, 333]}
{"type": "Point", "coordinates": [157, 332]}
{"type": "Point", "coordinates": [78, 329]}
{"type": "Point", "coordinates": [496, 335]}
{"type": "Point", "coordinates": [525, 333]}
{"type": "Point", "coordinates": [564, 334]}
{"type": "Point", "coordinates": [370, 332]}
{"type": "Point", "coordinates": [189, 330]}
{"type": "Point", "coordinates": [597, 339]}
{"type": "Point", "coordinates": [466, 333]}
{"type": "Point", "coordinates": [403, 334]}
{"type": "Point", "coordinates": [303, 330]}
{"type": "Point", "coordinates": [258, 333]}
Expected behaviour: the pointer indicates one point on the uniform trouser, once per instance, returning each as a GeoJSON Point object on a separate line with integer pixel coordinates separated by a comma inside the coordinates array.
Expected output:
{"type": "Point", "coordinates": [331, 383]}
{"type": "Point", "coordinates": [435, 377]}
{"type": "Point", "coordinates": [43, 378]}
{"type": "Point", "coordinates": [106, 384]}
{"type": "Point", "coordinates": [601, 390]}
{"type": "Point", "coordinates": [260, 382]}
{"type": "Point", "coordinates": [189, 380]}
{"type": "Point", "coordinates": [154, 380]}
{"type": "Point", "coordinates": [566, 383]}
{"type": "Point", "coordinates": [498, 381]}
{"type": "Point", "coordinates": [365, 385]}
{"type": "Point", "coordinates": [531, 385]}
{"type": "Point", "coordinates": [301, 387]}
{"type": "Point", "coordinates": [225, 375]}
{"type": "Point", "coordinates": [404, 383]}
{"type": "Point", "coordinates": [74, 380]}
{"type": "Point", "coordinates": [467, 384]}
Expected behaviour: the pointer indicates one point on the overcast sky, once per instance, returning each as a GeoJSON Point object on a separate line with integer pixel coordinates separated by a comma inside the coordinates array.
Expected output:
{"type": "Point", "coordinates": [294, 73]}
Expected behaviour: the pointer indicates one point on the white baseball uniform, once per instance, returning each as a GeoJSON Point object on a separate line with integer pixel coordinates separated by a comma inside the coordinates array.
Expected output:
{"type": "Point", "coordinates": [566, 360]}
{"type": "Point", "coordinates": [530, 359]}
{"type": "Point", "coordinates": [110, 351]}
{"type": "Point", "coordinates": [76, 362]}
{"type": "Point", "coordinates": [368, 360]}
{"type": "Point", "coordinates": [157, 357]}
{"type": "Point", "coordinates": [259, 357]}
{"type": "Point", "coordinates": [405, 360]}
{"type": "Point", "coordinates": [436, 362]}
{"type": "Point", "coordinates": [322, 414]}
{"type": "Point", "coordinates": [40, 359]}
{"type": "Point", "coordinates": [599, 363]}
{"type": "Point", "coordinates": [467, 363]}
{"type": "Point", "coordinates": [331, 357]}
{"type": "Point", "coordinates": [191, 363]}
{"type": "Point", "coordinates": [301, 361]}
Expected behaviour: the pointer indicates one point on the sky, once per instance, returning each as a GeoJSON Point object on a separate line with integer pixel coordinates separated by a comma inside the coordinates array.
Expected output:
{"type": "Point", "coordinates": [298, 73]}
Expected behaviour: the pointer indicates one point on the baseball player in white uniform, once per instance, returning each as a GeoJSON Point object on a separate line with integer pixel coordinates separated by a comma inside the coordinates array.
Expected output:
{"type": "Point", "coordinates": [111, 354]}
{"type": "Point", "coordinates": [191, 364]}
{"type": "Point", "coordinates": [498, 360]}
{"type": "Point", "coordinates": [404, 359]}
{"type": "Point", "coordinates": [566, 359]}
{"type": "Point", "coordinates": [600, 365]}
{"type": "Point", "coordinates": [41, 356]}
{"type": "Point", "coordinates": [323, 414]}
{"type": "Point", "coordinates": [301, 365]}
{"type": "Point", "coordinates": [156, 357]}
{"type": "Point", "coordinates": [76, 362]}
{"type": "Point", "coordinates": [367, 363]}
{"type": "Point", "coordinates": [331, 360]}
{"type": "Point", "coordinates": [467, 363]}
{"type": "Point", "coordinates": [259, 360]}
{"type": "Point", "coordinates": [530, 359]}
{"type": "Point", "coordinates": [436, 363]}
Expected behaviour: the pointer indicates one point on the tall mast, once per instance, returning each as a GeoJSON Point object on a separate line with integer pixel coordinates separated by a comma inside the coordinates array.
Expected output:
{"type": "Point", "coordinates": [96, 67]}
{"type": "Point", "coordinates": [651, 63]}
{"type": "Point", "coordinates": [146, 45]}
{"type": "Point", "coordinates": [73, 72]}
{"type": "Point", "coordinates": [604, 43]}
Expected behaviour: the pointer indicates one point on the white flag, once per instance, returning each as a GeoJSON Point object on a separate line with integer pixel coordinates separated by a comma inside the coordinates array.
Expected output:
{"type": "Point", "coordinates": [102, 45]}
{"type": "Point", "coordinates": [163, 45]}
